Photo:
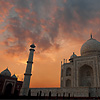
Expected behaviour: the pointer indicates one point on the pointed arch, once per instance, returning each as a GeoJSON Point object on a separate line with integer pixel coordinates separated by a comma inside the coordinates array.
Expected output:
{"type": "Point", "coordinates": [68, 83]}
{"type": "Point", "coordinates": [68, 72]}
{"type": "Point", "coordinates": [8, 89]}
{"type": "Point", "coordinates": [86, 76]}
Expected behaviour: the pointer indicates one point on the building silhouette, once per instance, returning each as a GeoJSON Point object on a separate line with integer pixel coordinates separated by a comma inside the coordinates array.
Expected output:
{"type": "Point", "coordinates": [9, 85]}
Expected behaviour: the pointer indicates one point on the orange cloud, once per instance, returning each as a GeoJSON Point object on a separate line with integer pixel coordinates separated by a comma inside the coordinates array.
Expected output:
{"type": "Point", "coordinates": [22, 12]}
{"type": "Point", "coordinates": [5, 8]}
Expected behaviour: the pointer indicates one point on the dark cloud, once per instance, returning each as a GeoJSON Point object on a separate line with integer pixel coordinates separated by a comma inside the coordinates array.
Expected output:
{"type": "Point", "coordinates": [76, 16]}
{"type": "Point", "coordinates": [86, 9]}
{"type": "Point", "coordinates": [40, 21]}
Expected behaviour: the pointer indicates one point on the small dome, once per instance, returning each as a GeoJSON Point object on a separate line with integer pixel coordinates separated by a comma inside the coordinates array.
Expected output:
{"type": "Point", "coordinates": [14, 76]}
{"type": "Point", "coordinates": [32, 46]}
{"type": "Point", "coordinates": [6, 72]}
{"type": "Point", "coordinates": [74, 55]}
{"type": "Point", "coordinates": [90, 47]}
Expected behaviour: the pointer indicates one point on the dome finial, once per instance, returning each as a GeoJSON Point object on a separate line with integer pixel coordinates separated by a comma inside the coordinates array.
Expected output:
{"type": "Point", "coordinates": [91, 35]}
{"type": "Point", "coordinates": [73, 55]}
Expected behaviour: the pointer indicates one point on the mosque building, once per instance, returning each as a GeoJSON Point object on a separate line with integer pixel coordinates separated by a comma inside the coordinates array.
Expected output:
{"type": "Point", "coordinates": [80, 77]}
{"type": "Point", "coordinates": [9, 85]}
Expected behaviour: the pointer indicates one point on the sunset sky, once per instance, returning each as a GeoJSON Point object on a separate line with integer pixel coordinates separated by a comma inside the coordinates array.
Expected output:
{"type": "Point", "coordinates": [57, 28]}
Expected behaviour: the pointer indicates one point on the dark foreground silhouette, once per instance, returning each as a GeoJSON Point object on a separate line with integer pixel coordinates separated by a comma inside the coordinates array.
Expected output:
{"type": "Point", "coordinates": [48, 97]}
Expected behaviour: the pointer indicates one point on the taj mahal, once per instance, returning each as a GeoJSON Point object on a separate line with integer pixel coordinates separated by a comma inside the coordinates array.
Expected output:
{"type": "Point", "coordinates": [80, 77]}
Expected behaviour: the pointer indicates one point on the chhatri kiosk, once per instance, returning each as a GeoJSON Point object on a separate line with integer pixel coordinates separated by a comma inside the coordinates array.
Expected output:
{"type": "Point", "coordinates": [80, 77]}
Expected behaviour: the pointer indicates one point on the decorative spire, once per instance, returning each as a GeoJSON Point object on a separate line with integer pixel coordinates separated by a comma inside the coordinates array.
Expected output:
{"type": "Point", "coordinates": [61, 62]}
{"type": "Point", "coordinates": [91, 35]}
{"type": "Point", "coordinates": [6, 68]}
{"type": "Point", "coordinates": [64, 60]}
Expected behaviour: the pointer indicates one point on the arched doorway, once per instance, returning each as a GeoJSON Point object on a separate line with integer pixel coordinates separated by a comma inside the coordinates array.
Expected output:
{"type": "Point", "coordinates": [16, 93]}
{"type": "Point", "coordinates": [29, 93]}
{"type": "Point", "coordinates": [8, 89]}
{"type": "Point", "coordinates": [68, 83]}
{"type": "Point", "coordinates": [86, 76]}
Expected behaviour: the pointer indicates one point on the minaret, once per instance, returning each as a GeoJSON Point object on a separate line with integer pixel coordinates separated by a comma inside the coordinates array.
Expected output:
{"type": "Point", "coordinates": [27, 75]}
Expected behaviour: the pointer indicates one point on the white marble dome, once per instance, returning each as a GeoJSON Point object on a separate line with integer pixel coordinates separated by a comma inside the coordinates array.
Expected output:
{"type": "Point", "coordinates": [90, 47]}
{"type": "Point", "coordinates": [73, 55]}
{"type": "Point", "coordinates": [14, 76]}
{"type": "Point", "coordinates": [6, 72]}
